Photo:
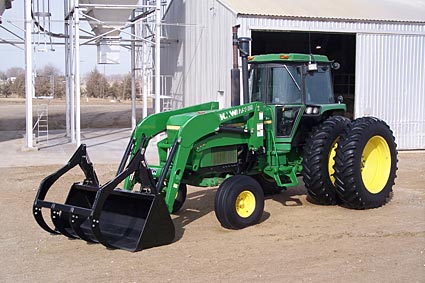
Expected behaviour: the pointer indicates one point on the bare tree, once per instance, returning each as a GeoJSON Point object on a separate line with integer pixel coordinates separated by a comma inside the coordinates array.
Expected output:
{"type": "Point", "coordinates": [114, 90]}
{"type": "Point", "coordinates": [126, 87]}
{"type": "Point", "coordinates": [15, 82]}
{"type": "Point", "coordinates": [3, 76]}
{"type": "Point", "coordinates": [96, 85]}
{"type": "Point", "coordinates": [6, 88]}
{"type": "Point", "coordinates": [18, 85]}
{"type": "Point", "coordinates": [15, 72]}
{"type": "Point", "coordinates": [50, 82]}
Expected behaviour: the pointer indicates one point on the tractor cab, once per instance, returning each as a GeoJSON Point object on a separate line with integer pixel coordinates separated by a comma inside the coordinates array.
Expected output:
{"type": "Point", "coordinates": [283, 79]}
{"type": "Point", "coordinates": [295, 87]}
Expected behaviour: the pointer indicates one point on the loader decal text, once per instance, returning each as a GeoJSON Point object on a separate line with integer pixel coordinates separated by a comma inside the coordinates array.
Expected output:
{"type": "Point", "coordinates": [235, 112]}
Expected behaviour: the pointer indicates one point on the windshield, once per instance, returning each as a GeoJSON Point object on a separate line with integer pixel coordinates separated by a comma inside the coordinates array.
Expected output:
{"type": "Point", "coordinates": [257, 82]}
{"type": "Point", "coordinates": [318, 86]}
{"type": "Point", "coordinates": [283, 87]}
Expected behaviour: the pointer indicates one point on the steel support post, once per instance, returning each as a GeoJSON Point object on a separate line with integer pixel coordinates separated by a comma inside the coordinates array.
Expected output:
{"type": "Point", "coordinates": [29, 91]}
{"type": "Point", "coordinates": [67, 81]}
{"type": "Point", "coordinates": [77, 74]}
{"type": "Point", "coordinates": [71, 77]}
{"type": "Point", "coordinates": [158, 57]}
{"type": "Point", "coordinates": [133, 75]}
{"type": "Point", "coordinates": [144, 71]}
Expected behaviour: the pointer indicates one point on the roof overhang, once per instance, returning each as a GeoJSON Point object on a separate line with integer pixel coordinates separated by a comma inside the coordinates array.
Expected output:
{"type": "Point", "coordinates": [408, 11]}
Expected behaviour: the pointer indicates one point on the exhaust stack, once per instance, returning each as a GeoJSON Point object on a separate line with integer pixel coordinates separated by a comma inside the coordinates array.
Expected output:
{"type": "Point", "coordinates": [244, 53]}
{"type": "Point", "coordinates": [235, 73]}
{"type": "Point", "coordinates": [241, 44]}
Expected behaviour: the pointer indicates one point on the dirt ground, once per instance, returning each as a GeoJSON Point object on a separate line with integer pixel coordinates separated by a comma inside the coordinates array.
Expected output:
{"type": "Point", "coordinates": [96, 113]}
{"type": "Point", "coordinates": [296, 240]}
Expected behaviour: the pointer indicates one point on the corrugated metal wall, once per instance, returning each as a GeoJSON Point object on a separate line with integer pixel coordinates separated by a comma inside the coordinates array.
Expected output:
{"type": "Point", "coordinates": [390, 84]}
{"type": "Point", "coordinates": [390, 70]}
{"type": "Point", "coordinates": [199, 61]}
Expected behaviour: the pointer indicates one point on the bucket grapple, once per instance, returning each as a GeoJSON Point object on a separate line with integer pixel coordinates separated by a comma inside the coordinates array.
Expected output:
{"type": "Point", "coordinates": [113, 217]}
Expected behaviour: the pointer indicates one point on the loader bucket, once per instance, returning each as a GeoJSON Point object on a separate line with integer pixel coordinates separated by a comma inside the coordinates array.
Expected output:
{"type": "Point", "coordinates": [135, 222]}
{"type": "Point", "coordinates": [116, 218]}
{"type": "Point", "coordinates": [129, 221]}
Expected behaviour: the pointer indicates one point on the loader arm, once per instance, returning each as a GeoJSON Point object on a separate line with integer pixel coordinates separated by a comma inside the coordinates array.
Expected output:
{"type": "Point", "coordinates": [150, 127]}
{"type": "Point", "coordinates": [155, 124]}
{"type": "Point", "coordinates": [188, 129]}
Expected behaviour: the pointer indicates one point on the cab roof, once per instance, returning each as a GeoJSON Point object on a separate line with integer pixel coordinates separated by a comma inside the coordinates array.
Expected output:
{"type": "Point", "coordinates": [288, 57]}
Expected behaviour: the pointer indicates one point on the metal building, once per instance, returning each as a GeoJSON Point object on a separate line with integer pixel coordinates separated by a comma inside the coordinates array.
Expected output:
{"type": "Point", "coordinates": [380, 45]}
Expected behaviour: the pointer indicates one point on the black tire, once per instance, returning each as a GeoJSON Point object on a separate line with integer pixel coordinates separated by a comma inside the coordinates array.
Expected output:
{"type": "Point", "coordinates": [180, 198]}
{"type": "Point", "coordinates": [268, 184]}
{"type": "Point", "coordinates": [234, 206]}
{"type": "Point", "coordinates": [319, 151]}
{"type": "Point", "coordinates": [366, 164]}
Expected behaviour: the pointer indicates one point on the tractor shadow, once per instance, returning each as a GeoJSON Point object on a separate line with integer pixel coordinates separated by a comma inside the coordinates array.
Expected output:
{"type": "Point", "coordinates": [197, 205]}
{"type": "Point", "coordinates": [290, 196]}
{"type": "Point", "coordinates": [200, 203]}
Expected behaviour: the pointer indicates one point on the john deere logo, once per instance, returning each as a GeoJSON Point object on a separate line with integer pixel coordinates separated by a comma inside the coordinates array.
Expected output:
{"type": "Point", "coordinates": [235, 112]}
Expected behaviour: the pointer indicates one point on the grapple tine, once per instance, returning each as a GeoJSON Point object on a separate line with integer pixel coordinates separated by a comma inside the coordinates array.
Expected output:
{"type": "Point", "coordinates": [58, 221]}
{"type": "Point", "coordinates": [76, 222]}
{"type": "Point", "coordinates": [38, 215]}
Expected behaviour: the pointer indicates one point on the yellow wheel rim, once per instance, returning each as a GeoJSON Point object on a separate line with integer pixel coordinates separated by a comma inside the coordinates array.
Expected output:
{"type": "Point", "coordinates": [331, 161]}
{"type": "Point", "coordinates": [376, 164]}
{"type": "Point", "coordinates": [245, 204]}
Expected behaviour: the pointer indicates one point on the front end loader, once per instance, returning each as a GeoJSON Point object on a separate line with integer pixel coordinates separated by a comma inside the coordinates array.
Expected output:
{"type": "Point", "coordinates": [289, 126]}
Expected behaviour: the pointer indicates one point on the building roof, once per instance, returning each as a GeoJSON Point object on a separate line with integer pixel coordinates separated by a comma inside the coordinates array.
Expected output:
{"type": "Point", "coordinates": [361, 10]}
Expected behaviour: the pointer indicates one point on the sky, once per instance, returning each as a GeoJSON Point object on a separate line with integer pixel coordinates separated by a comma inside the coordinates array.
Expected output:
{"type": "Point", "coordinates": [11, 56]}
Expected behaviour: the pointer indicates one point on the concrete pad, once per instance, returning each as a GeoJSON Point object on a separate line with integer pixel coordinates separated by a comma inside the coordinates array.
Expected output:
{"type": "Point", "coordinates": [104, 146]}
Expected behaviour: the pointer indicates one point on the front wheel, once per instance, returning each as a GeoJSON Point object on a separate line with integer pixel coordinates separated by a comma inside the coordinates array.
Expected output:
{"type": "Point", "coordinates": [366, 164]}
{"type": "Point", "coordinates": [239, 202]}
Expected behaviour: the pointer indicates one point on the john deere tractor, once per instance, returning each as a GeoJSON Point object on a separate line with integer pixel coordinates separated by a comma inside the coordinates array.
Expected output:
{"type": "Point", "coordinates": [288, 126]}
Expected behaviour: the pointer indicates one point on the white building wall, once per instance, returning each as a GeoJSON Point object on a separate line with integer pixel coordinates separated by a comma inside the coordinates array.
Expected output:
{"type": "Point", "coordinates": [199, 61]}
{"type": "Point", "coordinates": [390, 84]}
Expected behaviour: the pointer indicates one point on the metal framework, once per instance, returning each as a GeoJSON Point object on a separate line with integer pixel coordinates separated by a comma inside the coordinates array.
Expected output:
{"type": "Point", "coordinates": [142, 35]}
{"type": "Point", "coordinates": [147, 16]}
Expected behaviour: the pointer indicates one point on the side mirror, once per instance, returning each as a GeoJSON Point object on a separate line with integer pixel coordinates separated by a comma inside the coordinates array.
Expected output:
{"type": "Point", "coordinates": [335, 65]}
{"type": "Point", "coordinates": [340, 99]}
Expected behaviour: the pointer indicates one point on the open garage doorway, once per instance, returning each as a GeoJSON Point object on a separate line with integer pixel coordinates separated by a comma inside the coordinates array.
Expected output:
{"type": "Point", "coordinates": [340, 47]}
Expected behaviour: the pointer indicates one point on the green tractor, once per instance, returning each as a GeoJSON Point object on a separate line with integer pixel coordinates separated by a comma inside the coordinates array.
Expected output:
{"type": "Point", "coordinates": [289, 126]}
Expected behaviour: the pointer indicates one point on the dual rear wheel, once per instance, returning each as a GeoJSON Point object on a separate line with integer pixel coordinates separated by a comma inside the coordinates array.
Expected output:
{"type": "Point", "coordinates": [365, 164]}
{"type": "Point", "coordinates": [318, 160]}
{"type": "Point", "coordinates": [353, 163]}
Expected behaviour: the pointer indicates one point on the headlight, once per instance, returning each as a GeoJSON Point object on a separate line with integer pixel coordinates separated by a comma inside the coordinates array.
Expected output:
{"type": "Point", "coordinates": [312, 110]}
{"type": "Point", "coordinates": [309, 110]}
